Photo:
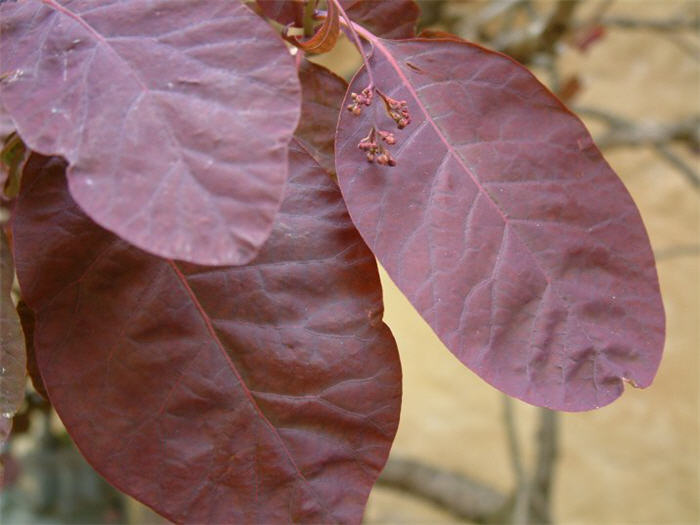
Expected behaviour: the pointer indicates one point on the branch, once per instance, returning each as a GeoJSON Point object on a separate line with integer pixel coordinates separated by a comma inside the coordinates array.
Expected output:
{"type": "Point", "coordinates": [557, 25]}
{"type": "Point", "coordinates": [521, 505]}
{"type": "Point", "coordinates": [677, 162]}
{"type": "Point", "coordinates": [464, 497]}
{"type": "Point", "coordinates": [547, 453]}
{"type": "Point", "coordinates": [679, 23]}
{"type": "Point", "coordinates": [652, 134]}
{"type": "Point", "coordinates": [680, 250]}
{"type": "Point", "coordinates": [541, 36]}
{"type": "Point", "coordinates": [474, 501]}
{"type": "Point", "coordinates": [623, 133]}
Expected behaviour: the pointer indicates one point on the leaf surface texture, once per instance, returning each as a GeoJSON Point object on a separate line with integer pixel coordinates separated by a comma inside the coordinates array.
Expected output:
{"type": "Point", "coordinates": [505, 227]}
{"type": "Point", "coordinates": [264, 393]}
{"type": "Point", "coordinates": [323, 95]}
{"type": "Point", "coordinates": [387, 19]}
{"type": "Point", "coordinates": [174, 116]}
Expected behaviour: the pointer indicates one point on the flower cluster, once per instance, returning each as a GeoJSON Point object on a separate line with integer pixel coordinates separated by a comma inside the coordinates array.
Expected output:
{"type": "Point", "coordinates": [371, 145]}
{"type": "Point", "coordinates": [376, 152]}
{"type": "Point", "coordinates": [363, 99]}
{"type": "Point", "coordinates": [397, 110]}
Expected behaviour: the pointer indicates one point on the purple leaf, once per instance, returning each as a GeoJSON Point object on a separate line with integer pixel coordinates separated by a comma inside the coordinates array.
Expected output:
{"type": "Point", "coordinates": [386, 18]}
{"type": "Point", "coordinates": [283, 11]}
{"type": "Point", "coordinates": [175, 116]}
{"type": "Point", "coordinates": [504, 226]}
{"type": "Point", "coordinates": [266, 393]}
{"type": "Point", "coordinates": [323, 95]}
{"type": "Point", "coordinates": [12, 355]}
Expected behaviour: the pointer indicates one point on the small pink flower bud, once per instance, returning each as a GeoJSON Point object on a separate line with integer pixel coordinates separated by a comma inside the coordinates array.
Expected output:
{"type": "Point", "coordinates": [387, 137]}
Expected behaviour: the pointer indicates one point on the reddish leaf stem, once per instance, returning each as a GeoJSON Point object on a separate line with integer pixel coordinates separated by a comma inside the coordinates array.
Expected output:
{"type": "Point", "coordinates": [395, 109]}
{"type": "Point", "coordinates": [354, 32]}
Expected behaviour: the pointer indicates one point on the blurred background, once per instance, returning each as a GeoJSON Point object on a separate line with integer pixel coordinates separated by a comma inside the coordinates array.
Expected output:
{"type": "Point", "coordinates": [464, 453]}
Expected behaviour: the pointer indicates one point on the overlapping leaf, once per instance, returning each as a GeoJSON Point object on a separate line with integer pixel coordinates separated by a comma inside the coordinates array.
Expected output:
{"type": "Point", "coordinates": [505, 227]}
{"type": "Point", "coordinates": [264, 393]}
{"type": "Point", "coordinates": [387, 19]}
{"type": "Point", "coordinates": [174, 116]}
{"type": "Point", "coordinates": [12, 355]}
{"type": "Point", "coordinates": [283, 11]}
{"type": "Point", "coordinates": [319, 112]}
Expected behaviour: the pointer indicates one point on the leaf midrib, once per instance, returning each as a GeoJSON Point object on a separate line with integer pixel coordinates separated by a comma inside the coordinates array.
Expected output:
{"type": "Point", "coordinates": [394, 64]}
{"type": "Point", "coordinates": [212, 332]}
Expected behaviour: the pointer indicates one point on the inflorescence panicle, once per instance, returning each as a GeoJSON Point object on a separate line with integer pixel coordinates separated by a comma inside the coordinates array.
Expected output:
{"type": "Point", "coordinates": [397, 111]}
{"type": "Point", "coordinates": [363, 99]}
{"type": "Point", "coordinates": [376, 151]}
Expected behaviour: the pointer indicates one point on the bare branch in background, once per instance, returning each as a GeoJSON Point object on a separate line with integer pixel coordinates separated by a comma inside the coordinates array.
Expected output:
{"type": "Point", "coordinates": [541, 35]}
{"type": "Point", "coordinates": [679, 23]}
{"type": "Point", "coordinates": [474, 501]}
{"type": "Point", "coordinates": [624, 133]}
{"type": "Point", "coordinates": [463, 497]}
{"type": "Point", "coordinates": [686, 130]}
{"type": "Point", "coordinates": [521, 505]}
{"type": "Point", "coordinates": [681, 250]}
{"type": "Point", "coordinates": [547, 453]}
{"type": "Point", "coordinates": [690, 174]}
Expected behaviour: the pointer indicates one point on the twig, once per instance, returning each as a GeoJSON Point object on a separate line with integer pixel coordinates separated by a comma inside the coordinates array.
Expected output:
{"type": "Point", "coordinates": [678, 23]}
{"type": "Point", "coordinates": [474, 501]}
{"type": "Point", "coordinates": [686, 130]}
{"type": "Point", "coordinates": [623, 133]}
{"type": "Point", "coordinates": [521, 508]}
{"type": "Point", "coordinates": [680, 250]}
{"type": "Point", "coordinates": [547, 453]}
{"type": "Point", "coordinates": [627, 134]}
{"type": "Point", "coordinates": [674, 160]}
{"type": "Point", "coordinates": [541, 36]}
{"type": "Point", "coordinates": [463, 497]}
{"type": "Point", "coordinates": [557, 25]}
{"type": "Point", "coordinates": [309, 9]}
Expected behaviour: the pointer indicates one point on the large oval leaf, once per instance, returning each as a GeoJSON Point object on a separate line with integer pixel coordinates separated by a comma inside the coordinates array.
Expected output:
{"type": "Point", "coordinates": [505, 227]}
{"type": "Point", "coordinates": [265, 393]}
{"type": "Point", "coordinates": [174, 116]}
